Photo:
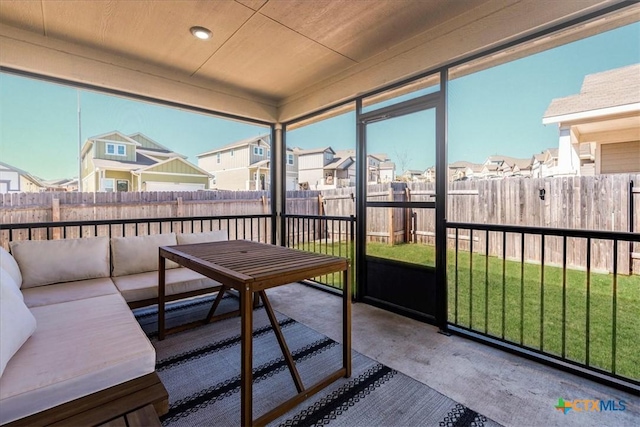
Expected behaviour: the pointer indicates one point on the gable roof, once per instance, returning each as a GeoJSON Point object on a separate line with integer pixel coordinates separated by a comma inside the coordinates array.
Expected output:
{"type": "Point", "coordinates": [34, 179]}
{"type": "Point", "coordinates": [241, 143]}
{"type": "Point", "coordinates": [174, 159]}
{"type": "Point", "coordinates": [612, 88]}
{"type": "Point", "coordinates": [340, 163]}
{"type": "Point", "coordinates": [301, 152]}
{"type": "Point", "coordinates": [460, 164]}
{"type": "Point", "coordinates": [148, 143]}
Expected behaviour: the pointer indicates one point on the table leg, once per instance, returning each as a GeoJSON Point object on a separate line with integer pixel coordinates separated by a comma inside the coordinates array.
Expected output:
{"type": "Point", "coordinates": [161, 291]}
{"type": "Point", "coordinates": [246, 349]}
{"type": "Point", "coordinates": [295, 375]}
{"type": "Point", "coordinates": [215, 304]}
{"type": "Point", "coordinates": [346, 322]}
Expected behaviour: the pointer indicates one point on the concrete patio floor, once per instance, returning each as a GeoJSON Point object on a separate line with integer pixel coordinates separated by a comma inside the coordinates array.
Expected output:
{"type": "Point", "coordinates": [511, 390]}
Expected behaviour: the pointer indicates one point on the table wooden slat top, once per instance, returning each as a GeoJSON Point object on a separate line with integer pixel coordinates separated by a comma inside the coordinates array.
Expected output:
{"type": "Point", "coordinates": [257, 265]}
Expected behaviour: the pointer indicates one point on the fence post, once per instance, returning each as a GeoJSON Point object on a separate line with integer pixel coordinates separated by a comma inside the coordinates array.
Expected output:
{"type": "Point", "coordinates": [391, 218]}
{"type": "Point", "coordinates": [407, 217]}
{"type": "Point", "coordinates": [180, 207]}
{"type": "Point", "coordinates": [321, 224]}
{"type": "Point", "coordinates": [55, 217]}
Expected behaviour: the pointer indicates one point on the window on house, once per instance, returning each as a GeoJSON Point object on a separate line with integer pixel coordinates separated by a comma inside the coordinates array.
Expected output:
{"type": "Point", "coordinates": [218, 158]}
{"type": "Point", "coordinates": [231, 153]}
{"type": "Point", "coordinates": [108, 185]}
{"type": "Point", "coordinates": [122, 185]}
{"type": "Point", "coordinates": [258, 151]}
{"type": "Point", "coordinates": [290, 159]}
{"type": "Point", "coordinates": [268, 153]}
{"type": "Point", "coordinates": [116, 149]}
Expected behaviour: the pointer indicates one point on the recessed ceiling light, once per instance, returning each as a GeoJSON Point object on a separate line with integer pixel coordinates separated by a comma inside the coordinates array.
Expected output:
{"type": "Point", "coordinates": [201, 33]}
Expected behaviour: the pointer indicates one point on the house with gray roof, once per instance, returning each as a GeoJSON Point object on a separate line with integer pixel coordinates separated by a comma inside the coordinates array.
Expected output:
{"type": "Point", "coordinates": [599, 128]}
{"type": "Point", "coordinates": [117, 162]}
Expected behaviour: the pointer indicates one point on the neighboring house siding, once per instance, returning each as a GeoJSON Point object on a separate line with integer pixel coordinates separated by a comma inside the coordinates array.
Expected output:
{"type": "Point", "coordinates": [186, 179]}
{"type": "Point", "coordinates": [175, 166]}
{"type": "Point", "coordinates": [311, 161]}
{"type": "Point", "coordinates": [27, 186]}
{"type": "Point", "coordinates": [622, 157]}
{"type": "Point", "coordinates": [231, 179]}
{"type": "Point", "coordinates": [117, 138]}
{"type": "Point", "coordinates": [311, 176]}
{"type": "Point", "coordinates": [239, 159]}
{"type": "Point", "coordinates": [10, 181]}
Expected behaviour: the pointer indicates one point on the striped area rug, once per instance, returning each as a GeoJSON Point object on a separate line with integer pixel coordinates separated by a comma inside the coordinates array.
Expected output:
{"type": "Point", "coordinates": [201, 370]}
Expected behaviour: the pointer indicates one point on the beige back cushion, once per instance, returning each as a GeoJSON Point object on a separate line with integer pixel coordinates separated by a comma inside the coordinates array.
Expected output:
{"type": "Point", "coordinates": [139, 254]}
{"type": "Point", "coordinates": [209, 236]}
{"type": "Point", "coordinates": [43, 262]}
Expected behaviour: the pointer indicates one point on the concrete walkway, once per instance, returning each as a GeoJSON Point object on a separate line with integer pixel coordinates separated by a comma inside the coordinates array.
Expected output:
{"type": "Point", "coordinates": [509, 389]}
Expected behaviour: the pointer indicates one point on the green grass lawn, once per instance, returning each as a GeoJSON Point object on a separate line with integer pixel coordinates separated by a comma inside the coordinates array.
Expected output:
{"type": "Point", "coordinates": [525, 304]}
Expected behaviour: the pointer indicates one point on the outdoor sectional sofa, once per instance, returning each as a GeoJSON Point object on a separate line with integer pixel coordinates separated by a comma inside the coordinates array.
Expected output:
{"type": "Point", "coordinates": [71, 349]}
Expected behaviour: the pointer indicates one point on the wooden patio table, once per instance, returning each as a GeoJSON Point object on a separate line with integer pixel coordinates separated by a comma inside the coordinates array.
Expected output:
{"type": "Point", "coordinates": [250, 268]}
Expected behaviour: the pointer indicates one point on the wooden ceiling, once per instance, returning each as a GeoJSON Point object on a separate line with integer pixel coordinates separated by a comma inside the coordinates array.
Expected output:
{"type": "Point", "coordinates": [268, 59]}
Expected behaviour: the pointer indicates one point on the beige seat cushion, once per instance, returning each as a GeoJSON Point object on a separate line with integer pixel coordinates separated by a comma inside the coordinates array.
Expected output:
{"type": "Point", "coordinates": [79, 348]}
{"type": "Point", "coordinates": [138, 287]}
{"type": "Point", "coordinates": [70, 291]}
{"type": "Point", "coordinates": [56, 261]}
{"type": "Point", "coordinates": [139, 254]}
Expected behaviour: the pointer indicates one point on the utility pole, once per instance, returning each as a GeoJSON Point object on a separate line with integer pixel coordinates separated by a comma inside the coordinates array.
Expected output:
{"type": "Point", "coordinates": [79, 144]}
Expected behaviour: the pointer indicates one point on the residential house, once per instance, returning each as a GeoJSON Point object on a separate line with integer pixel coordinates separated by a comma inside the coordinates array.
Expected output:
{"type": "Point", "coordinates": [117, 162]}
{"type": "Point", "coordinates": [474, 171]}
{"type": "Point", "coordinates": [545, 163]}
{"type": "Point", "coordinates": [15, 180]}
{"type": "Point", "coordinates": [508, 166]}
{"type": "Point", "coordinates": [341, 171]}
{"type": "Point", "coordinates": [246, 165]}
{"type": "Point", "coordinates": [429, 174]}
{"type": "Point", "coordinates": [311, 167]}
{"type": "Point", "coordinates": [324, 168]}
{"type": "Point", "coordinates": [373, 167]}
{"type": "Point", "coordinates": [412, 175]}
{"type": "Point", "coordinates": [458, 170]}
{"type": "Point", "coordinates": [62, 184]}
{"type": "Point", "coordinates": [599, 128]}
{"type": "Point", "coordinates": [387, 171]}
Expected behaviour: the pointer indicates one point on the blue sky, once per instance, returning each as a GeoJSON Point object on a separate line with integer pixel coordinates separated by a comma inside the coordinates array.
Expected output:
{"type": "Point", "coordinates": [498, 110]}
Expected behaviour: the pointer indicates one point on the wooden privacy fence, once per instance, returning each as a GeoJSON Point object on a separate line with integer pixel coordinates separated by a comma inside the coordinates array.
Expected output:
{"type": "Point", "coordinates": [72, 206]}
{"type": "Point", "coordinates": [604, 202]}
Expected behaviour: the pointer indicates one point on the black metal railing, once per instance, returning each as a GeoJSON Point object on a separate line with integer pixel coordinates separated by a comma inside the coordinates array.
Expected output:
{"type": "Point", "coordinates": [333, 235]}
{"type": "Point", "coordinates": [570, 296]}
{"type": "Point", "coordinates": [250, 227]}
